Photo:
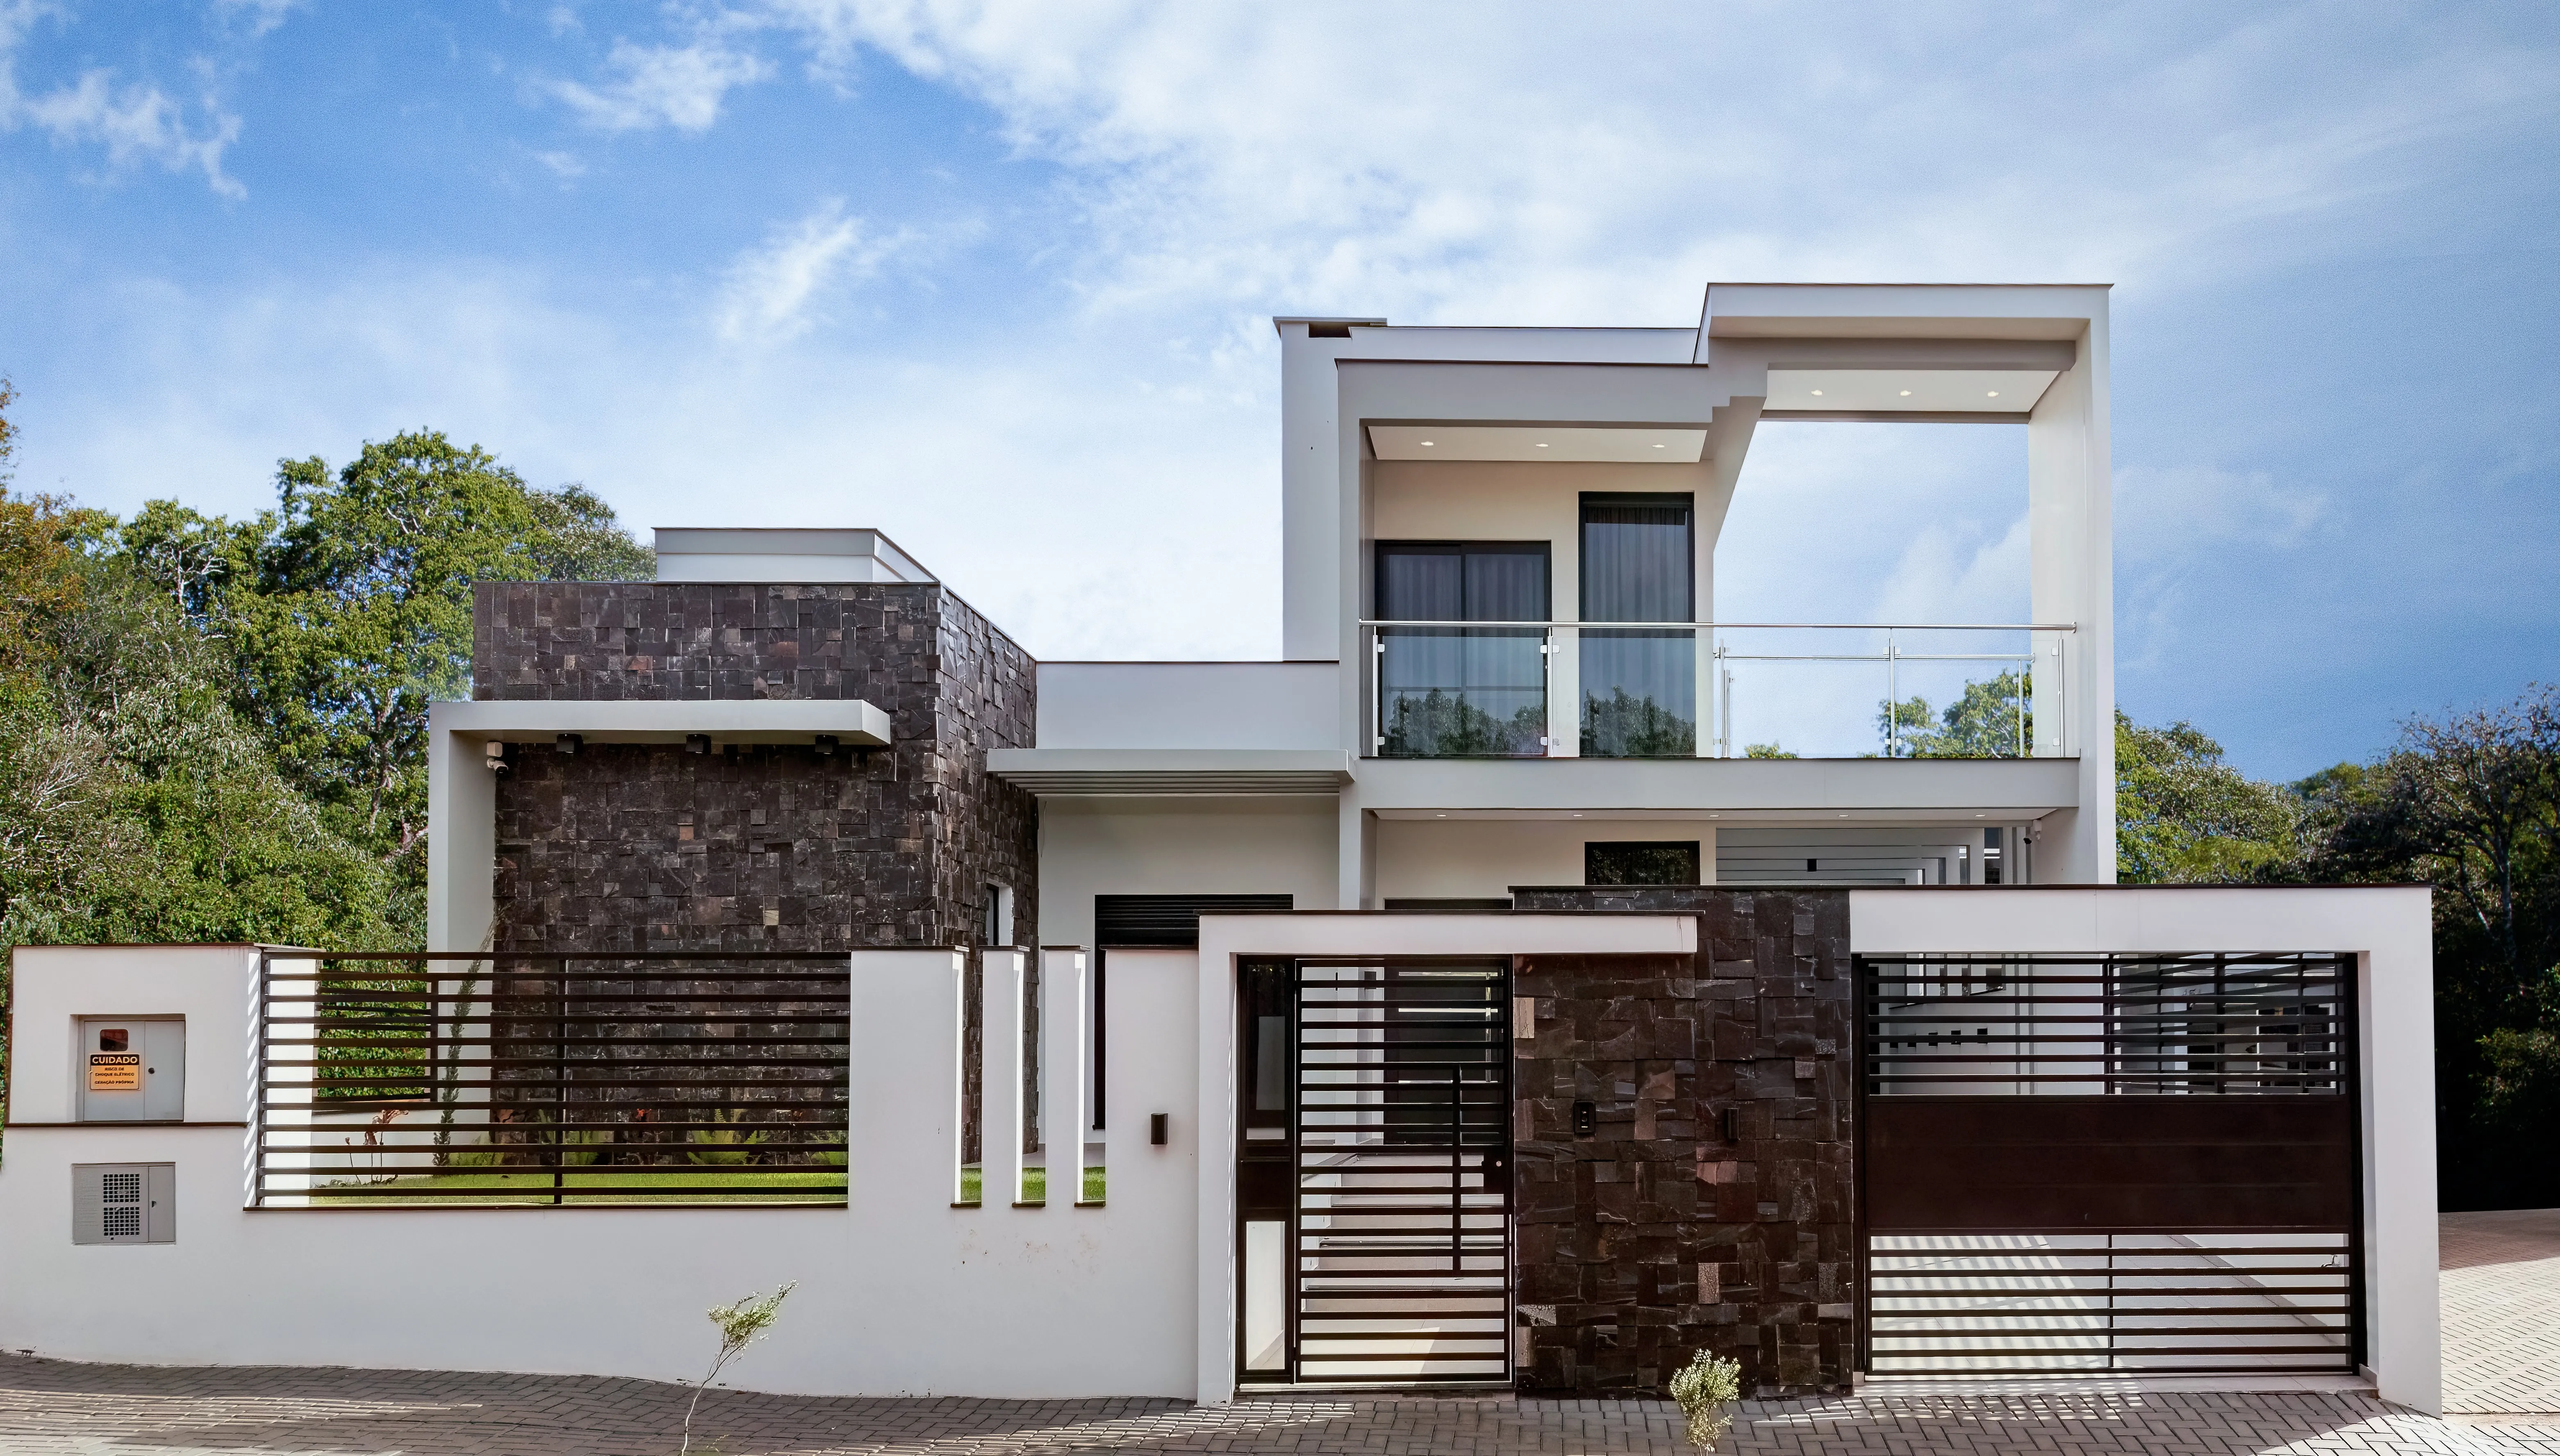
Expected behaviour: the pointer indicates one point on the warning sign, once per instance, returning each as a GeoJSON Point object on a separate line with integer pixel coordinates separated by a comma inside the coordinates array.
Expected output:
{"type": "Point", "coordinates": [115, 1072]}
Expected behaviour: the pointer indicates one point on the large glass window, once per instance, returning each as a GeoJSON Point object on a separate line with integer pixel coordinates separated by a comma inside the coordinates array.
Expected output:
{"type": "Point", "coordinates": [1451, 691]}
{"type": "Point", "coordinates": [1639, 687]}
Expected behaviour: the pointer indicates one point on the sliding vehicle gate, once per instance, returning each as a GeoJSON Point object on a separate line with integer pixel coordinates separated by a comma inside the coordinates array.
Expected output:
{"type": "Point", "coordinates": [2129, 1164]}
{"type": "Point", "coordinates": [1398, 1143]}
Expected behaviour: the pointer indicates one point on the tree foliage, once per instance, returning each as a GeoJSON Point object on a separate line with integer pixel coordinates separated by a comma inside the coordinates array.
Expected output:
{"type": "Point", "coordinates": [2186, 817]}
{"type": "Point", "coordinates": [2470, 804]}
{"type": "Point", "coordinates": [215, 729]}
{"type": "Point", "coordinates": [1993, 720]}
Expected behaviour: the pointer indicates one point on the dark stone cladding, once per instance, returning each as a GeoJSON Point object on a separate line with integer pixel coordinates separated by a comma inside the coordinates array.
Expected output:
{"type": "Point", "coordinates": [652, 848]}
{"type": "Point", "coordinates": [633, 847]}
{"type": "Point", "coordinates": [1657, 1237]}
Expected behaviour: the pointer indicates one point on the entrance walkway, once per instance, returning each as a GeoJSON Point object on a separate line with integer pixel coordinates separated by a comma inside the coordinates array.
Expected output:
{"type": "Point", "coordinates": [48, 1406]}
{"type": "Point", "coordinates": [2501, 1298]}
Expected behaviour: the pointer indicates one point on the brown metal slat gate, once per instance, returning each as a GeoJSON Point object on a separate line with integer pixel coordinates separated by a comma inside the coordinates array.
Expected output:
{"type": "Point", "coordinates": [2109, 1165]}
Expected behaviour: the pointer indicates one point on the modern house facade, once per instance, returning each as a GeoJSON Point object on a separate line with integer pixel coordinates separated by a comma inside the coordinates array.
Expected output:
{"type": "Point", "coordinates": [1528, 979]}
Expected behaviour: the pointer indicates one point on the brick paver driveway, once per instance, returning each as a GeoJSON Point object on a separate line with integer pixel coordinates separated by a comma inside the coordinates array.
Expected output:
{"type": "Point", "coordinates": [2502, 1297]}
{"type": "Point", "coordinates": [49, 1406]}
{"type": "Point", "coordinates": [2501, 1292]}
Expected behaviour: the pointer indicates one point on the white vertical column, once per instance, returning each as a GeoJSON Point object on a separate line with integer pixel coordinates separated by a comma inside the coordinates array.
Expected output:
{"type": "Point", "coordinates": [905, 1091]}
{"type": "Point", "coordinates": [1000, 1135]}
{"type": "Point", "coordinates": [1067, 1080]}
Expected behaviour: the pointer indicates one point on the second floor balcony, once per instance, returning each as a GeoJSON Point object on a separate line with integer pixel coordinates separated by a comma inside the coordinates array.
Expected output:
{"type": "Point", "coordinates": [1523, 689]}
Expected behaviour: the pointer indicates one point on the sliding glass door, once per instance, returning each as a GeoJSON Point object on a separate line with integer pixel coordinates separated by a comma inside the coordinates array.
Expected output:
{"type": "Point", "coordinates": [1639, 687]}
{"type": "Point", "coordinates": [1461, 691]}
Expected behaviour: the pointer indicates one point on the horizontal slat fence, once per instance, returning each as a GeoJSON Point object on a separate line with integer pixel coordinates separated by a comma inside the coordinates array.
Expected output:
{"type": "Point", "coordinates": [392, 1080]}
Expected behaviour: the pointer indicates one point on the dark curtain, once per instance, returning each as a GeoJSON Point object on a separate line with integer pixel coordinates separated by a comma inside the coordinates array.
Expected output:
{"type": "Point", "coordinates": [1638, 689]}
{"type": "Point", "coordinates": [1447, 692]}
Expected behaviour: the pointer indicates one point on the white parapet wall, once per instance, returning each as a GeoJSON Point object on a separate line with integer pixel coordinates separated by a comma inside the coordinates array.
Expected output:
{"type": "Point", "coordinates": [2387, 932]}
{"type": "Point", "coordinates": [900, 1292]}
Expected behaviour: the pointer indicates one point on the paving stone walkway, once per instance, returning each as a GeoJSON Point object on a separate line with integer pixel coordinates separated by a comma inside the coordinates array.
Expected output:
{"type": "Point", "coordinates": [49, 1406]}
{"type": "Point", "coordinates": [2501, 1303]}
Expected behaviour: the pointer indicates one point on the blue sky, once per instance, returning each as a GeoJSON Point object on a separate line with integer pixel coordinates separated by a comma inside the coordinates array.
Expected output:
{"type": "Point", "coordinates": [997, 279]}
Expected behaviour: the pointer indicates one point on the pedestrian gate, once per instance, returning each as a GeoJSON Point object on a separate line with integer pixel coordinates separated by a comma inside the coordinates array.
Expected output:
{"type": "Point", "coordinates": [1395, 1181]}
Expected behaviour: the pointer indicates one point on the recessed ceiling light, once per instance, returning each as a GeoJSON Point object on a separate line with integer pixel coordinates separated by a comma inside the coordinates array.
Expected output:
{"type": "Point", "coordinates": [1979, 816]}
{"type": "Point", "coordinates": [1541, 444]}
{"type": "Point", "coordinates": [1439, 816]}
{"type": "Point", "coordinates": [1995, 393]}
{"type": "Point", "coordinates": [1906, 393]}
{"type": "Point", "coordinates": [1657, 446]}
{"type": "Point", "coordinates": [1426, 444]}
{"type": "Point", "coordinates": [1818, 393]}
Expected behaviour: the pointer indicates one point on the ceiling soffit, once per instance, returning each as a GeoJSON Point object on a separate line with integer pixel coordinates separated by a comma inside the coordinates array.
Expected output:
{"type": "Point", "coordinates": [1545, 444]}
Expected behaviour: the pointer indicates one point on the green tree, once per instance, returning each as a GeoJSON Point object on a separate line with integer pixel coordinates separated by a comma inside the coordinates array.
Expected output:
{"type": "Point", "coordinates": [1993, 720]}
{"type": "Point", "coordinates": [152, 812]}
{"type": "Point", "coordinates": [2470, 804]}
{"type": "Point", "coordinates": [352, 610]}
{"type": "Point", "coordinates": [2186, 817]}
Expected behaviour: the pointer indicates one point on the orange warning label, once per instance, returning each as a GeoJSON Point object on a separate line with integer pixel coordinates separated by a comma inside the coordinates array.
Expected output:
{"type": "Point", "coordinates": [115, 1072]}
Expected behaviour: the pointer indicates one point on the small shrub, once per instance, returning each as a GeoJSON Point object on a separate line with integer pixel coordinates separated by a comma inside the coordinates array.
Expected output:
{"type": "Point", "coordinates": [740, 1325]}
{"type": "Point", "coordinates": [1707, 1390]}
{"type": "Point", "coordinates": [730, 1145]}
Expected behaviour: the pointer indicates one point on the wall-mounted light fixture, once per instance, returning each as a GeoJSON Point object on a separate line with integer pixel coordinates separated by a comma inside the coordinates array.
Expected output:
{"type": "Point", "coordinates": [698, 744]}
{"type": "Point", "coordinates": [1159, 1128]}
{"type": "Point", "coordinates": [1730, 1122]}
{"type": "Point", "coordinates": [1586, 1120]}
{"type": "Point", "coordinates": [494, 753]}
{"type": "Point", "coordinates": [825, 744]}
{"type": "Point", "coordinates": [569, 742]}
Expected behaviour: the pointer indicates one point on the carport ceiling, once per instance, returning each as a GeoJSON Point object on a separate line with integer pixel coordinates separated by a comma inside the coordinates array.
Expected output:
{"type": "Point", "coordinates": [1884, 393]}
{"type": "Point", "coordinates": [1544, 443]}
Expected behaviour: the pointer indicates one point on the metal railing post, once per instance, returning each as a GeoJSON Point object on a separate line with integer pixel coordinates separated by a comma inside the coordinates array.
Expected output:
{"type": "Point", "coordinates": [1376, 689]}
{"type": "Point", "coordinates": [1892, 701]}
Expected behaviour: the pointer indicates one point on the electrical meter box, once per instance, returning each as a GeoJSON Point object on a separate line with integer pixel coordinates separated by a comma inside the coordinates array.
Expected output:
{"type": "Point", "coordinates": [124, 1203]}
{"type": "Point", "coordinates": [130, 1068]}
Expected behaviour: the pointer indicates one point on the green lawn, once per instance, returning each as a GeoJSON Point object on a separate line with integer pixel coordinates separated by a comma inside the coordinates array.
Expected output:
{"type": "Point", "coordinates": [1035, 1185]}
{"type": "Point", "coordinates": [608, 1185]}
{"type": "Point", "coordinates": [593, 1187]}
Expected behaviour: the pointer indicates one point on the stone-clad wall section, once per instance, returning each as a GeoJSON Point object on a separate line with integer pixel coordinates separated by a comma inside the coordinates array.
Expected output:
{"type": "Point", "coordinates": [625, 846]}
{"type": "Point", "coordinates": [632, 847]}
{"type": "Point", "coordinates": [1657, 1236]}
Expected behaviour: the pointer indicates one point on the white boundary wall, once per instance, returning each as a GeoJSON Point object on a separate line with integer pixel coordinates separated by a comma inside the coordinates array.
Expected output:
{"type": "Point", "coordinates": [900, 1293]}
{"type": "Point", "coordinates": [2388, 931]}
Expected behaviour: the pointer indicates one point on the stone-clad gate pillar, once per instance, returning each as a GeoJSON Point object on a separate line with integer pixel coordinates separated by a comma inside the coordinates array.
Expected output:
{"type": "Point", "coordinates": [1710, 1203]}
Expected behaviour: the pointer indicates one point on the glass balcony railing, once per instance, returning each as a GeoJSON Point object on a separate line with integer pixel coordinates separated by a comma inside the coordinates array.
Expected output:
{"type": "Point", "coordinates": [1761, 689]}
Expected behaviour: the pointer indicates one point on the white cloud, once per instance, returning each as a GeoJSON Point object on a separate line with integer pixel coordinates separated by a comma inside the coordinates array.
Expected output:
{"type": "Point", "coordinates": [2165, 514]}
{"type": "Point", "coordinates": [772, 292]}
{"type": "Point", "coordinates": [136, 122]}
{"type": "Point", "coordinates": [1596, 164]}
{"type": "Point", "coordinates": [663, 86]}
{"type": "Point", "coordinates": [565, 165]}
{"type": "Point", "coordinates": [260, 16]}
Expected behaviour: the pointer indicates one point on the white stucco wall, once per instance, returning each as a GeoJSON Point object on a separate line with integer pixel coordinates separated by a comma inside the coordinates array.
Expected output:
{"type": "Point", "coordinates": [210, 987]}
{"type": "Point", "coordinates": [1474, 859]}
{"type": "Point", "coordinates": [1189, 705]}
{"type": "Point", "coordinates": [1274, 845]}
{"type": "Point", "coordinates": [900, 1293]}
{"type": "Point", "coordinates": [2387, 929]}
